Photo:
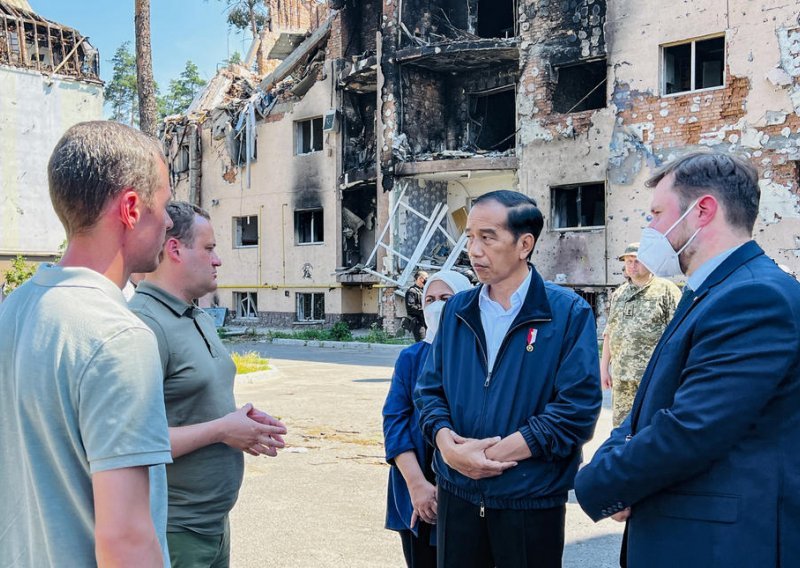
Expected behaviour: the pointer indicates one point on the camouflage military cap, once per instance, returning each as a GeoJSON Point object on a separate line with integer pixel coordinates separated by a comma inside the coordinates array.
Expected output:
{"type": "Point", "coordinates": [630, 250]}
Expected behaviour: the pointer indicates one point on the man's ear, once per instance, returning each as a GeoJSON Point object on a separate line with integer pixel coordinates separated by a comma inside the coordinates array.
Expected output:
{"type": "Point", "coordinates": [526, 243]}
{"type": "Point", "coordinates": [130, 208]}
{"type": "Point", "coordinates": [708, 208]}
{"type": "Point", "coordinates": [172, 248]}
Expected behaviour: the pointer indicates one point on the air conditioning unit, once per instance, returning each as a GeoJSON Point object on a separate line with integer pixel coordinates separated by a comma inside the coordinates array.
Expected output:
{"type": "Point", "coordinates": [329, 121]}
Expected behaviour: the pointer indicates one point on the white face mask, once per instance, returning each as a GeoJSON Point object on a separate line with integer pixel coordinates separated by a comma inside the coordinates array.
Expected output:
{"type": "Point", "coordinates": [433, 313]}
{"type": "Point", "coordinates": [656, 252]}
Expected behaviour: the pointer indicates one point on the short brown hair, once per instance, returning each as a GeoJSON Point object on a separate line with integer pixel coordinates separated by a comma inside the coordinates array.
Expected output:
{"type": "Point", "coordinates": [731, 179]}
{"type": "Point", "coordinates": [92, 163]}
{"type": "Point", "coordinates": [182, 214]}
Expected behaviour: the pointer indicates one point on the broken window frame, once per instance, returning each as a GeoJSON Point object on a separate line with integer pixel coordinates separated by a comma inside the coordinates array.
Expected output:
{"type": "Point", "coordinates": [317, 229]}
{"type": "Point", "coordinates": [578, 188]}
{"type": "Point", "coordinates": [246, 304]}
{"type": "Point", "coordinates": [602, 86]}
{"type": "Point", "coordinates": [314, 145]}
{"type": "Point", "coordinates": [315, 301]}
{"type": "Point", "coordinates": [238, 231]}
{"type": "Point", "coordinates": [692, 64]}
{"type": "Point", "coordinates": [474, 100]}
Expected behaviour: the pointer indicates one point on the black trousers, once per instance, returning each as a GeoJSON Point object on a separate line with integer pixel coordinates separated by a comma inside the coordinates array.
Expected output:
{"type": "Point", "coordinates": [502, 538]}
{"type": "Point", "coordinates": [417, 549]}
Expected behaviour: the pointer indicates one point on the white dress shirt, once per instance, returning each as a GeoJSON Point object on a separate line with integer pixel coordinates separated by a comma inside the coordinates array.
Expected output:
{"type": "Point", "coordinates": [497, 320]}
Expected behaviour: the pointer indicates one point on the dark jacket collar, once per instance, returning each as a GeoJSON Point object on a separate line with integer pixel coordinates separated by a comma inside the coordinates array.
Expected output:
{"type": "Point", "coordinates": [745, 253]}
{"type": "Point", "coordinates": [535, 307]}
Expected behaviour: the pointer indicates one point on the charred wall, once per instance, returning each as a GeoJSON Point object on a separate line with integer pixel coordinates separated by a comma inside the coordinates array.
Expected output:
{"type": "Point", "coordinates": [441, 20]}
{"type": "Point", "coordinates": [424, 96]}
{"type": "Point", "coordinates": [358, 126]}
{"type": "Point", "coordinates": [360, 24]}
{"type": "Point", "coordinates": [557, 36]}
{"type": "Point", "coordinates": [359, 210]}
{"type": "Point", "coordinates": [467, 111]}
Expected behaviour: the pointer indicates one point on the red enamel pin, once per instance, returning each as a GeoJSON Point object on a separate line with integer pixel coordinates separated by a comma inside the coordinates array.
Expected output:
{"type": "Point", "coordinates": [531, 339]}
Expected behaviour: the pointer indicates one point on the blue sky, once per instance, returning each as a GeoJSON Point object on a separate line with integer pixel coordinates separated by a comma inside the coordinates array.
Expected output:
{"type": "Point", "coordinates": [181, 30]}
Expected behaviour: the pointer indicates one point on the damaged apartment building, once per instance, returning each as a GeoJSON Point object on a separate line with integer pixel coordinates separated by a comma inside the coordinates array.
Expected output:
{"type": "Point", "coordinates": [49, 80]}
{"type": "Point", "coordinates": [354, 155]}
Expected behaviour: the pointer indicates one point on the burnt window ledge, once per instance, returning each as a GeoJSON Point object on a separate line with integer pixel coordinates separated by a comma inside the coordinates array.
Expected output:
{"type": "Point", "coordinates": [460, 55]}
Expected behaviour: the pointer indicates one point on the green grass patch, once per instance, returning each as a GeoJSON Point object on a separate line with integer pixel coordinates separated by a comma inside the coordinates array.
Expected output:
{"type": "Point", "coordinates": [249, 362]}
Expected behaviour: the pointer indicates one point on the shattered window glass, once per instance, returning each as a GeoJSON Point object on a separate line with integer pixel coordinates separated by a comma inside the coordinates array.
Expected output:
{"type": "Point", "coordinates": [246, 304]}
{"type": "Point", "coordinates": [310, 306]}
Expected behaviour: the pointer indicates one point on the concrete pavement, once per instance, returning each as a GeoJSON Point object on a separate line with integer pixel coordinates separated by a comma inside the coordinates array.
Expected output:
{"type": "Point", "coordinates": [321, 502]}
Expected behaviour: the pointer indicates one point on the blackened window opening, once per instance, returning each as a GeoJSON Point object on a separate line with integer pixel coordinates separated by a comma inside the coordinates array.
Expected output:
{"type": "Point", "coordinates": [580, 87]}
{"type": "Point", "coordinates": [493, 120]}
{"type": "Point", "coordinates": [496, 18]}
{"type": "Point", "coordinates": [577, 206]}
{"type": "Point", "coordinates": [308, 225]}
{"type": "Point", "coordinates": [359, 211]}
{"type": "Point", "coordinates": [246, 231]}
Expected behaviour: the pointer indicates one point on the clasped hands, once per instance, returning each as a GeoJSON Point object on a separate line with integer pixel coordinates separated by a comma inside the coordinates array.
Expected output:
{"type": "Point", "coordinates": [478, 459]}
{"type": "Point", "coordinates": [253, 431]}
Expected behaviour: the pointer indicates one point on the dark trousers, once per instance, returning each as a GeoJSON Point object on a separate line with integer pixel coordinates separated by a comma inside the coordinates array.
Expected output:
{"type": "Point", "coordinates": [502, 538]}
{"type": "Point", "coordinates": [418, 329]}
{"type": "Point", "coordinates": [417, 549]}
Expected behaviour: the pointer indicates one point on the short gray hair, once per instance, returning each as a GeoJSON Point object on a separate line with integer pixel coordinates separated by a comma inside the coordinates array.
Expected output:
{"type": "Point", "coordinates": [95, 161]}
{"type": "Point", "coordinates": [182, 214]}
{"type": "Point", "coordinates": [731, 179]}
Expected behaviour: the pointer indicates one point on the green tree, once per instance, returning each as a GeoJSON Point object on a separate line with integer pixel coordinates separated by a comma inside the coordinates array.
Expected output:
{"type": "Point", "coordinates": [247, 14]}
{"type": "Point", "coordinates": [252, 15]}
{"type": "Point", "coordinates": [235, 59]}
{"type": "Point", "coordinates": [121, 92]}
{"type": "Point", "coordinates": [19, 272]}
{"type": "Point", "coordinates": [181, 91]}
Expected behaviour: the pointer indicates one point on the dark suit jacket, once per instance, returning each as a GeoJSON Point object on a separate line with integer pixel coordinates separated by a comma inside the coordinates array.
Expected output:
{"type": "Point", "coordinates": [709, 459]}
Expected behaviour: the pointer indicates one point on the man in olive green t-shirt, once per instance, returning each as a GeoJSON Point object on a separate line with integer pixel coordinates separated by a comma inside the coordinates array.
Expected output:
{"type": "Point", "coordinates": [208, 434]}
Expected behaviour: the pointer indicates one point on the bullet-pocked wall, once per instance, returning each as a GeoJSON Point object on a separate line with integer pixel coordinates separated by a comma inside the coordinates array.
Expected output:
{"type": "Point", "coordinates": [711, 74]}
{"type": "Point", "coordinates": [564, 129]}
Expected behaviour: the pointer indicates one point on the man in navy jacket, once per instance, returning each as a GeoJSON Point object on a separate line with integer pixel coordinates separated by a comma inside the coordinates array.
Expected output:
{"type": "Point", "coordinates": [509, 394]}
{"type": "Point", "coordinates": [706, 469]}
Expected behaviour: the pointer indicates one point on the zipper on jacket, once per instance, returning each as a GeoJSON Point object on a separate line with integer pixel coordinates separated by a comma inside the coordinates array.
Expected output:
{"type": "Point", "coordinates": [483, 351]}
{"type": "Point", "coordinates": [488, 379]}
{"type": "Point", "coordinates": [483, 510]}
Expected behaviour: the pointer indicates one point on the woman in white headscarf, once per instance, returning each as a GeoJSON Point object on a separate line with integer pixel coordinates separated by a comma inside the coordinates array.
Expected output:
{"type": "Point", "coordinates": [411, 507]}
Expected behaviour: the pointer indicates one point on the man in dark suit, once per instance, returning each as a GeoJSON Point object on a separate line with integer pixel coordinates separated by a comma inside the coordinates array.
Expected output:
{"type": "Point", "coordinates": [705, 469]}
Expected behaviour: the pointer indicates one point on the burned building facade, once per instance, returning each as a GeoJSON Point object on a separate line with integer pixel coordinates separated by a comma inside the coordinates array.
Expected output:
{"type": "Point", "coordinates": [48, 82]}
{"type": "Point", "coordinates": [366, 145]}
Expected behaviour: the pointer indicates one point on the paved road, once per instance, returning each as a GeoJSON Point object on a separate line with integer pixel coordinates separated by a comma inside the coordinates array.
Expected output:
{"type": "Point", "coordinates": [321, 502]}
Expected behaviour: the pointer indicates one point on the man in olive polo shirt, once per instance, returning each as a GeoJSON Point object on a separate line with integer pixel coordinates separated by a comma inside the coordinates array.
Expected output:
{"type": "Point", "coordinates": [207, 433]}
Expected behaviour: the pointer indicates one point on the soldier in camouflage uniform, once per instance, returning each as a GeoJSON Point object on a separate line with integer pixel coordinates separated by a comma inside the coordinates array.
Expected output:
{"type": "Point", "coordinates": [640, 311]}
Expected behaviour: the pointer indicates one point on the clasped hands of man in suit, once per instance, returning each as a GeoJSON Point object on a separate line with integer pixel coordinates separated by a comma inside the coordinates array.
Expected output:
{"type": "Point", "coordinates": [478, 459]}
